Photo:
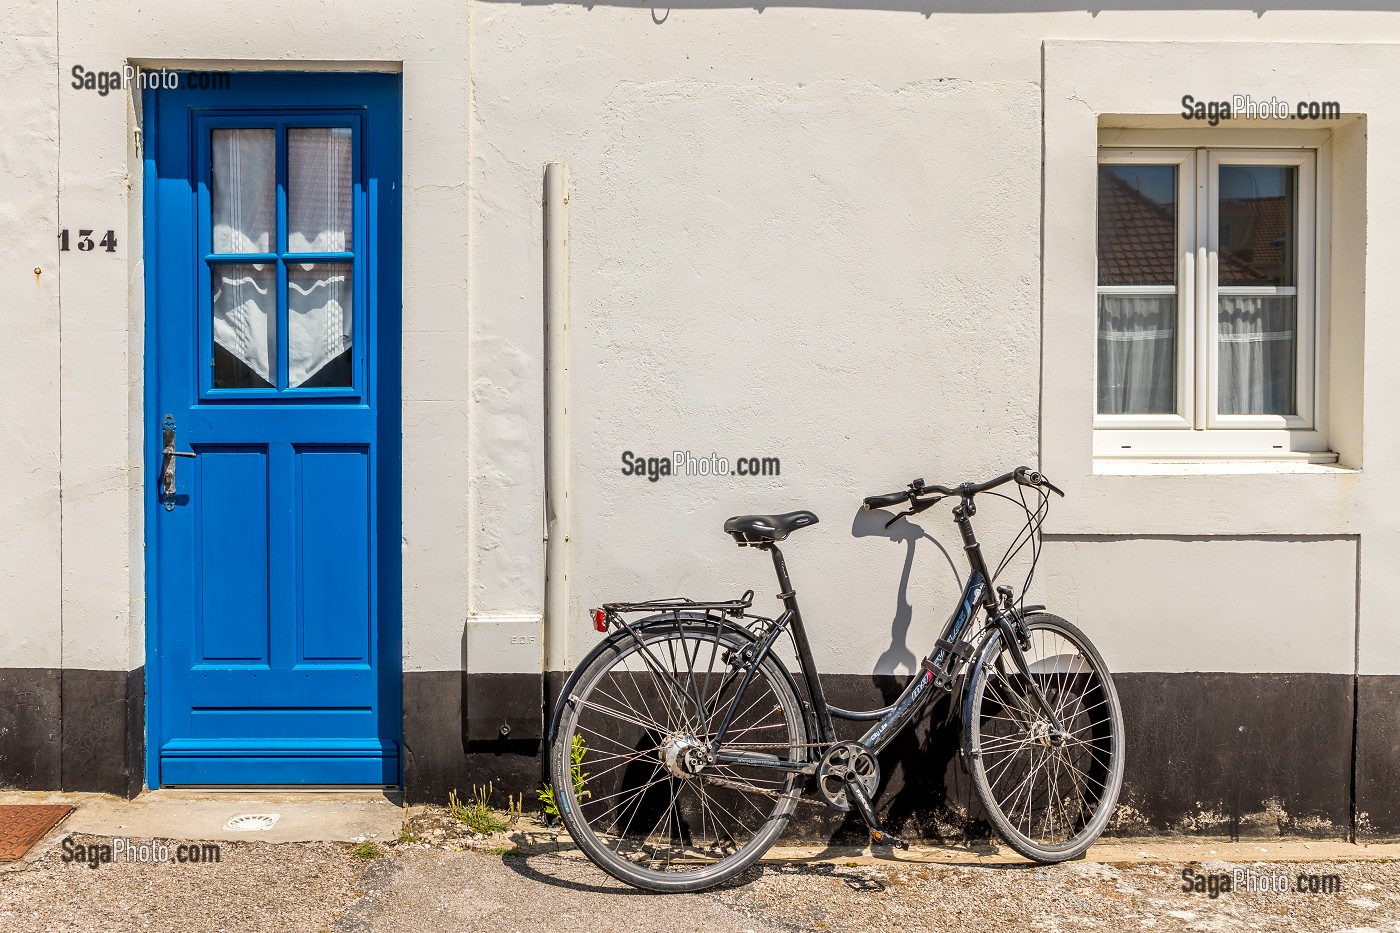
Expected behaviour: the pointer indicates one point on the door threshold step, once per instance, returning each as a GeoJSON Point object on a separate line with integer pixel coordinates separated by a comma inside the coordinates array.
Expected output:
{"type": "Point", "coordinates": [373, 790]}
{"type": "Point", "coordinates": [280, 748]}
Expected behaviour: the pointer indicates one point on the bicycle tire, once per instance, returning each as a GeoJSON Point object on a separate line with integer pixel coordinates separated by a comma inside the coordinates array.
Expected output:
{"type": "Point", "coordinates": [643, 750]}
{"type": "Point", "coordinates": [1006, 734]}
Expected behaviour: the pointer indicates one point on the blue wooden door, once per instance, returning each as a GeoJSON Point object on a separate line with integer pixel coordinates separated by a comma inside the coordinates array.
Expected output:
{"type": "Point", "coordinates": [272, 500]}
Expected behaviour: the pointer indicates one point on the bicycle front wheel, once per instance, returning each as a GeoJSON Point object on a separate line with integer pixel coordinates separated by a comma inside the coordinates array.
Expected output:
{"type": "Point", "coordinates": [630, 763]}
{"type": "Point", "coordinates": [1048, 791]}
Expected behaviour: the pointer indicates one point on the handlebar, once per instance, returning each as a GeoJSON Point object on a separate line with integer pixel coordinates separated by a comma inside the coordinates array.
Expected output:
{"type": "Point", "coordinates": [918, 489]}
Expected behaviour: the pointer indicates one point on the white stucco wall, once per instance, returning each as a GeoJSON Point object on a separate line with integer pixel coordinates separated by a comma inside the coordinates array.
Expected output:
{"type": "Point", "coordinates": [826, 235]}
{"type": "Point", "coordinates": [30, 614]}
{"type": "Point", "coordinates": [853, 239]}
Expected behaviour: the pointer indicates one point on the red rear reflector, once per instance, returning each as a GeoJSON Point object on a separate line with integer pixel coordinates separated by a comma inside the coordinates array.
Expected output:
{"type": "Point", "coordinates": [600, 620]}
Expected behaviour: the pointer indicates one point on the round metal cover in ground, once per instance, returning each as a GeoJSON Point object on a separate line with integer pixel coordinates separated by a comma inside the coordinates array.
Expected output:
{"type": "Point", "coordinates": [251, 822]}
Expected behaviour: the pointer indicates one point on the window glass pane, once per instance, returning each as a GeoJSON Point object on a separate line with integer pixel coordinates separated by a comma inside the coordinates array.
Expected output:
{"type": "Point", "coordinates": [1137, 354]}
{"type": "Point", "coordinates": [1258, 355]}
{"type": "Point", "coordinates": [1257, 219]}
{"type": "Point", "coordinates": [319, 190]}
{"type": "Point", "coordinates": [1137, 225]}
{"type": "Point", "coordinates": [245, 326]}
{"type": "Point", "coordinates": [243, 190]}
{"type": "Point", "coordinates": [319, 324]}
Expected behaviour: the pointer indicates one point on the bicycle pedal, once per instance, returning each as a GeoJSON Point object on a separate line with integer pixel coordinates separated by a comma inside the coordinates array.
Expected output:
{"type": "Point", "coordinates": [881, 838]}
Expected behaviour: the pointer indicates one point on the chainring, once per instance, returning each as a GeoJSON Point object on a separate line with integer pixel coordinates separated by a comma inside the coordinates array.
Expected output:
{"type": "Point", "coordinates": [843, 763]}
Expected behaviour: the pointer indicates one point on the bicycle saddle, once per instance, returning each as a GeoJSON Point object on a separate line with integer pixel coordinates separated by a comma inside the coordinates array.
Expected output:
{"type": "Point", "coordinates": [752, 529]}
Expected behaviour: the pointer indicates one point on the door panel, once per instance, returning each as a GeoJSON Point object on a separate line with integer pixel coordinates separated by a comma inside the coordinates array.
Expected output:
{"type": "Point", "coordinates": [273, 343]}
{"type": "Point", "coordinates": [333, 509]}
{"type": "Point", "coordinates": [232, 543]}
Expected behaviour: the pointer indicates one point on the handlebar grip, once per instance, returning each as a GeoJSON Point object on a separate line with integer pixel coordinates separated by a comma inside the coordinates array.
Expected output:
{"type": "Point", "coordinates": [1034, 478]}
{"type": "Point", "coordinates": [889, 498]}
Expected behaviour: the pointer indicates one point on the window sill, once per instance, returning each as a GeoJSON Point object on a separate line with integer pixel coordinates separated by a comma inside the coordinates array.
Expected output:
{"type": "Point", "coordinates": [1251, 447]}
{"type": "Point", "coordinates": [1219, 464]}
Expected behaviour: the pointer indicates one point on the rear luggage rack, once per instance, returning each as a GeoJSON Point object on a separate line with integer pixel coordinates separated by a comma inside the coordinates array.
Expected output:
{"type": "Point", "coordinates": [733, 607]}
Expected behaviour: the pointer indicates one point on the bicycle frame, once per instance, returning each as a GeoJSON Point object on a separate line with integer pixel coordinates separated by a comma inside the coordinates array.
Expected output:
{"type": "Point", "coordinates": [937, 671]}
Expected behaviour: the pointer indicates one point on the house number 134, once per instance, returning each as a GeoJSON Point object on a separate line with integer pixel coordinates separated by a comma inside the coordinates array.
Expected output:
{"type": "Point", "coordinates": [85, 243]}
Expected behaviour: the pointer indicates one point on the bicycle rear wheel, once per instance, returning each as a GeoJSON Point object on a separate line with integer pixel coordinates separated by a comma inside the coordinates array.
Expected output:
{"type": "Point", "coordinates": [1049, 794]}
{"type": "Point", "coordinates": [629, 760]}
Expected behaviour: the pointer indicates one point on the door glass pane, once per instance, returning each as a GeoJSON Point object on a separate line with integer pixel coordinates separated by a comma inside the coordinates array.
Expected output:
{"type": "Point", "coordinates": [245, 325]}
{"type": "Point", "coordinates": [243, 190]}
{"type": "Point", "coordinates": [1258, 212]}
{"type": "Point", "coordinates": [1137, 354]}
{"type": "Point", "coordinates": [319, 324]}
{"type": "Point", "coordinates": [1258, 354]}
{"type": "Point", "coordinates": [1137, 225]}
{"type": "Point", "coordinates": [1137, 332]}
{"type": "Point", "coordinates": [319, 190]}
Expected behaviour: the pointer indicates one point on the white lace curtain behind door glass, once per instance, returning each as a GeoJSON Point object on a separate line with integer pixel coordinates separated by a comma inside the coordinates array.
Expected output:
{"type": "Point", "coordinates": [319, 219]}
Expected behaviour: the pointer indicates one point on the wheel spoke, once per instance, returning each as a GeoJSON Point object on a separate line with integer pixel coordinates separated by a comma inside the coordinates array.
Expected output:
{"type": "Point", "coordinates": [1050, 781]}
{"type": "Point", "coordinates": [609, 711]}
{"type": "Point", "coordinates": [652, 801]}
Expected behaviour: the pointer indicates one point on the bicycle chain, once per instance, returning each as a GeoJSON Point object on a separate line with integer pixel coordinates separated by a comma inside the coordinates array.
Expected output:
{"type": "Point", "coordinates": [748, 745]}
{"type": "Point", "coordinates": [725, 782]}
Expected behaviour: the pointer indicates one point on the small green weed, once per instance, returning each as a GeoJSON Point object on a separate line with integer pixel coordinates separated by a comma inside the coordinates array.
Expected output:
{"type": "Point", "coordinates": [576, 773]}
{"type": "Point", "coordinates": [366, 851]}
{"type": "Point", "coordinates": [407, 837]}
{"type": "Point", "coordinates": [478, 815]}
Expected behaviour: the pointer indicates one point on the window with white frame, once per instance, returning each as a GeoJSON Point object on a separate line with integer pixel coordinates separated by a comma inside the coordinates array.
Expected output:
{"type": "Point", "coordinates": [1208, 320]}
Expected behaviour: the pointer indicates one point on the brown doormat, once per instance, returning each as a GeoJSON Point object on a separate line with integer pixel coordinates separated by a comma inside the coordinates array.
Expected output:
{"type": "Point", "coordinates": [22, 826]}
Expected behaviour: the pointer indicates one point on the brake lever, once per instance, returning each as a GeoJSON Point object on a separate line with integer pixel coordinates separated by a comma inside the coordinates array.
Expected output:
{"type": "Point", "coordinates": [898, 517]}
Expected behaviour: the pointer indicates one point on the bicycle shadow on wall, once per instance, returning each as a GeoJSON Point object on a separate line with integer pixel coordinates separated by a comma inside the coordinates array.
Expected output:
{"type": "Point", "coordinates": [924, 791]}
{"type": "Point", "coordinates": [868, 524]}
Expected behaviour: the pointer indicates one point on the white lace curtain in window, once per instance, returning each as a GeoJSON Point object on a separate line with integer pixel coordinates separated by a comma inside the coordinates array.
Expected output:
{"type": "Point", "coordinates": [1257, 354]}
{"type": "Point", "coordinates": [1137, 354]}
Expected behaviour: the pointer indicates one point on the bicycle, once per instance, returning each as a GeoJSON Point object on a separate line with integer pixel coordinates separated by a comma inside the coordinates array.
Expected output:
{"type": "Point", "coordinates": [681, 745]}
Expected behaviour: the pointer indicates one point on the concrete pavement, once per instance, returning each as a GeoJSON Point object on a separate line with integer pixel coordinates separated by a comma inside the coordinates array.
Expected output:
{"type": "Point", "coordinates": [353, 816]}
{"type": "Point", "coordinates": [307, 874]}
{"type": "Point", "coordinates": [331, 816]}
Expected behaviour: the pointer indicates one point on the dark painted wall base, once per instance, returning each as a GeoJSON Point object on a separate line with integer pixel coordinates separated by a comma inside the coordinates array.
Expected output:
{"type": "Point", "coordinates": [1207, 754]}
{"type": "Point", "coordinates": [72, 729]}
{"type": "Point", "coordinates": [30, 737]}
{"type": "Point", "coordinates": [443, 716]}
{"type": "Point", "coordinates": [1237, 754]}
{"type": "Point", "coordinates": [1378, 757]}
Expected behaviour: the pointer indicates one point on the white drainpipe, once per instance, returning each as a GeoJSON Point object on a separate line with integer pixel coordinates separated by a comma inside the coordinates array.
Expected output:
{"type": "Point", "coordinates": [556, 422]}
